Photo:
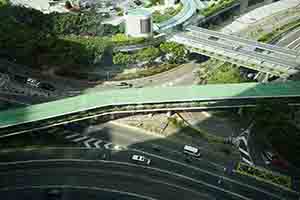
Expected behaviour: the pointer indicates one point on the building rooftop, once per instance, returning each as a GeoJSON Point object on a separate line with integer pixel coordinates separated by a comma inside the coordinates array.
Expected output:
{"type": "Point", "coordinates": [139, 12]}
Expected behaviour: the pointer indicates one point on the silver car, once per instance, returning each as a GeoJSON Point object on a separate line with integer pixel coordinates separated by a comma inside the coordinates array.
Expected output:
{"type": "Point", "coordinates": [141, 159]}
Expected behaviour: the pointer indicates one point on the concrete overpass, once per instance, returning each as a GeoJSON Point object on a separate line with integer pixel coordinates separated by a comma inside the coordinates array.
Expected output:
{"type": "Point", "coordinates": [266, 58]}
{"type": "Point", "coordinates": [145, 100]}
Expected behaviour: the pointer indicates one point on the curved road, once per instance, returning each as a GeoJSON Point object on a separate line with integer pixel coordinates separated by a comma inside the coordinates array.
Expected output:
{"type": "Point", "coordinates": [145, 181]}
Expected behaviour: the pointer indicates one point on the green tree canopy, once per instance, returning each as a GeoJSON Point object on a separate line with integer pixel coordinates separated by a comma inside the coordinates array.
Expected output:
{"type": "Point", "coordinates": [122, 59]}
{"type": "Point", "coordinates": [227, 73]}
{"type": "Point", "coordinates": [177, 51]}
{"type": "Point", "coordinates": [148, 54]}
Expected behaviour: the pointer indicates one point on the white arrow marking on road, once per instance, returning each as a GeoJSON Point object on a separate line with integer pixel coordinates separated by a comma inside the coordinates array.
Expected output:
{"type": "Point", "coordinates": [106, 146]}
{"type": "Point", "coordinates": [71, 136]}
{"type": "Point", "coordinates": [86, 143]}
{"type": "Point", "coordinates": [97, 144]}
{"type": "Point", "coordinates": [81, 138]}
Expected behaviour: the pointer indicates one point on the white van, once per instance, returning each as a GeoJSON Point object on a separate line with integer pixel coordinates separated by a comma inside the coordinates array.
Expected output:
{"type": "Point", "coordinates": [191, 150]}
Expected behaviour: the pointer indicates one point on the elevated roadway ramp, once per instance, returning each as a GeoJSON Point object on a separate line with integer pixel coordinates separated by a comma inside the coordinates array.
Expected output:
{"type": "Point", "coordinates": [144, 100]}
{"type": "Point", "coordinates": [266, 58]}
{"type": "Point", "coordinates": [187, 11]}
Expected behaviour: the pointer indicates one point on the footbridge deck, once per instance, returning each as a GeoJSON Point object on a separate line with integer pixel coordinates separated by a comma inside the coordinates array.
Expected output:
{"type": "Point", "coordinates": [96, 104]}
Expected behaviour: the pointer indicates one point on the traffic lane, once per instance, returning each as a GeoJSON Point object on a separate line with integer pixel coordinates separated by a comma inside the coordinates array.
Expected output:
{"type": "Point", "coordinates": [226, 47]}
{"type": "Point", "coordinates": [118, 134]}
{"type": "Point", "coordinates": [153, 175]}
{"type": "Point", "coordinates": [174, 151]}
{"type": "Point", "coordinates": [155, 80]}
{"type": "Point", "coordinates": [61, 83]}
{"type": "Point", "coordinates": [134, 138]}
{"type": "Point", "coordinates": [289, 38]}
{"type": "Point", "coordinates": [204, 171]}
{"type": "Point", "coordinates": [67, 193]}
{"type": "Point", "coordinates": [53, 153]}
{"type": "Point", "coordinates": [207, 173]}
{"type": "Point", "coordinates": [134, 179]}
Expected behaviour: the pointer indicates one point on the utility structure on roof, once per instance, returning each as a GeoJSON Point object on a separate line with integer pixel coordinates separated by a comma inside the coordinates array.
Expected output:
{"type": "Point", "coordinates": [138, 23]}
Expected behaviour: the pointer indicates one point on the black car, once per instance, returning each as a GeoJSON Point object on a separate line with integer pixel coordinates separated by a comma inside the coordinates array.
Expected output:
{"type": "Point", "coordinates": [47, 86]}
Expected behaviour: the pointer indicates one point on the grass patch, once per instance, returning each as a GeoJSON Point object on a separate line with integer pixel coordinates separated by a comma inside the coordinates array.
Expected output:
{"type": "Point", "coordinates": [159, 17]}
{"type": "Point", "coordinates": [216, 7]}
{"type": "Point", "coordinates": [277, 33]}
{"type": "Point", "coordinates": [122, 39]}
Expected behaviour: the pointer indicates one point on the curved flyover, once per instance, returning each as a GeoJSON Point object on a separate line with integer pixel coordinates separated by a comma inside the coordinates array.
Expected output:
{"type": "Point", "coordinates": [187, 11]}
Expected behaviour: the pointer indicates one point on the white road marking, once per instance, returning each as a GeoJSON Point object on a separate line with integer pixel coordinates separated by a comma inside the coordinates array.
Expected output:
{"type": "Point", "coordinates": [97, 144]}
{"type": "Point", "coordinates": [86, 143]}
{"type": "Point", "coordinates": [80, 139]}
{"type": "Point", "coordinates": [290, 44]}
{"type": "Point", "coordinates": [245, 152]}
{"type": "Point", "coordinates": [107, 145]}
{"type": "Point", "coordinates": [71, 136]}
{"type": "Point", "coordinates": [247, 161]}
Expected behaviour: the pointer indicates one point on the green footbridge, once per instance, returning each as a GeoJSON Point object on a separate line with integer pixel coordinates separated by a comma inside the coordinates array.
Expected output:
{"type": "Point", "coordinates": [96, 105]}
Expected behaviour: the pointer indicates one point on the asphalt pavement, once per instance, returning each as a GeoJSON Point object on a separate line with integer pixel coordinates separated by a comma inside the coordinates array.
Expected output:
{"type": "Point", "coordinates": [163, 171]}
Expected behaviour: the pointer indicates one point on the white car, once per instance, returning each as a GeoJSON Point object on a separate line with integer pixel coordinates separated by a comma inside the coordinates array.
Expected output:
{"type": "Point", "coordinates": [141, 159]}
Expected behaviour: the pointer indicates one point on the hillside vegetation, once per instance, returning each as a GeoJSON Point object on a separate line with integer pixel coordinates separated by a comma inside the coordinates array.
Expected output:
{"type": "Point", "coordinates": [35, 39]}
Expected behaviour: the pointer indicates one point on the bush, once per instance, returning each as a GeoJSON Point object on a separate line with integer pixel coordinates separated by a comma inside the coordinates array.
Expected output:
{"type": "Point", "coordinates": [158, 17]}
{"type": "Point", "coordinates": [122, 39]}
{"type": "Point", "coordinates": [4, 2]}
{"type": "Point", "coordinates": [216, 7]}
{"type": "Point", "coordinates": [44, 39]}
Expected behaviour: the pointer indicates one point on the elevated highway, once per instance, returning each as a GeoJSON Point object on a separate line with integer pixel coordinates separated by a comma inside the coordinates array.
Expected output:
{"type": "Point", "coordinates": [266, 58]}
{"type": "Point", "coordinates": [144, 100]}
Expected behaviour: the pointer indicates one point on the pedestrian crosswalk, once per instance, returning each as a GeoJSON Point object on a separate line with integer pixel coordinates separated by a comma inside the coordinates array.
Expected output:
{"type": "Point", "coordinates": [90, 142]}
{"type": "Point", "coordinates": [244, 151]}
{"type": "Point", "coordinates": [80, 139]}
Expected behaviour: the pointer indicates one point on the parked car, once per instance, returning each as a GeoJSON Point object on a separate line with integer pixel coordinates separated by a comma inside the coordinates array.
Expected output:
{"type": "Point", "coordinates": [141, 159]}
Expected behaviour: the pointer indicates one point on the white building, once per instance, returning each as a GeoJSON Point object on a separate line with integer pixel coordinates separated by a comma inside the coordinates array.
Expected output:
{"type": "Point", "coordinates": [138, 23]}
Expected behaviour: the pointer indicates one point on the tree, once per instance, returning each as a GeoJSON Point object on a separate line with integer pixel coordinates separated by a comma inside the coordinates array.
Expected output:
{"type": "Point", "coordinates": [122, 59]}
{"type": "Point", "coordinates": [227, 73]}
{"type": "Point", "coordinates": [177, 51]}
{"type": "Point", "coordinates": [274, 125]}
{"type": "Point", "coordinates": [148, 54]}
